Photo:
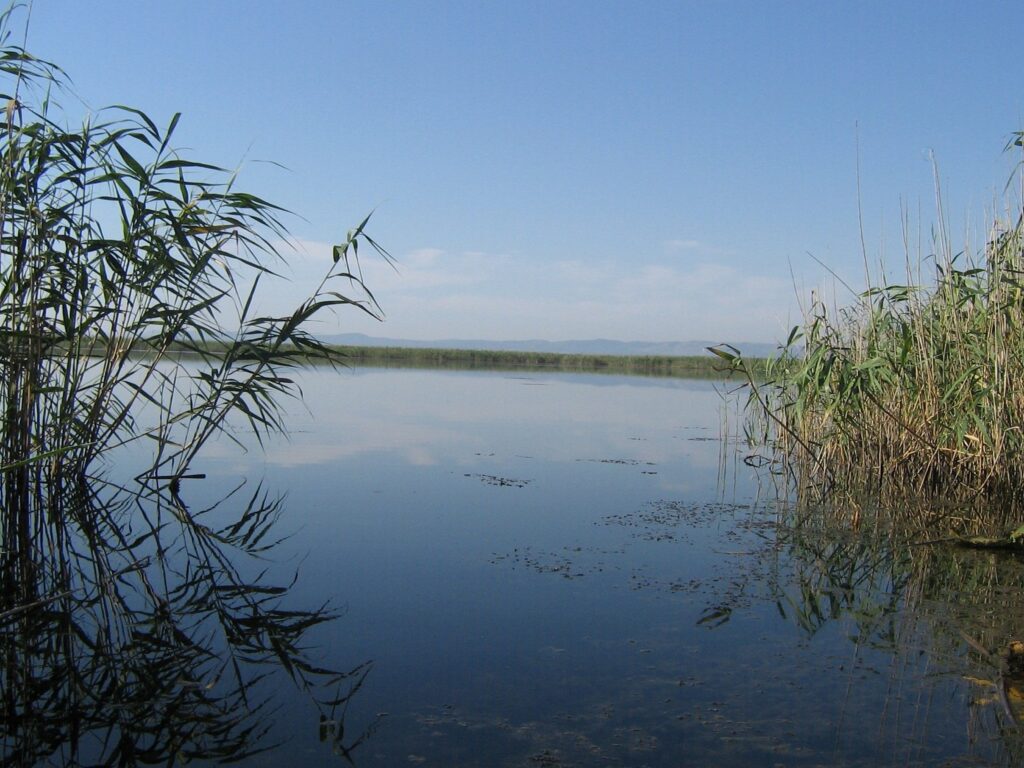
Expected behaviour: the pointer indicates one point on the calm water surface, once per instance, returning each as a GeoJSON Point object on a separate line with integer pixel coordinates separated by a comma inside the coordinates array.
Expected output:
{"type": "Point", "coordinates": [575, 570]}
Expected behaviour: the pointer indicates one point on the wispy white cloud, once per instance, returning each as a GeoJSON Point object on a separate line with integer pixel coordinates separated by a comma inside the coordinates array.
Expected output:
{"type": "Point", "coordinates": [682, 245]}
{"type": "Point", "coordinates": [434, 293]}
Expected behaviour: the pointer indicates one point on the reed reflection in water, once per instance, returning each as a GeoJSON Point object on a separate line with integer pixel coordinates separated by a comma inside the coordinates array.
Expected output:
{"type": "Point", "coordinates": [559, 581]}
{"type": "Point", "coordinates": [933, 673]}
{"type": "Point", "coordinates": [134, 629]}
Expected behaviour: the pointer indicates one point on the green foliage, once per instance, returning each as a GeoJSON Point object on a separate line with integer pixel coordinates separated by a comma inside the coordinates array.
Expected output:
{"type": "Point", "coordinates": [469, 359]}
{"type": "Point", "coordinates": [114, 244]}
{"type": "Point", "coordinates": [128, 632]}
{"type": "Point", "coordinates": [914, 389]}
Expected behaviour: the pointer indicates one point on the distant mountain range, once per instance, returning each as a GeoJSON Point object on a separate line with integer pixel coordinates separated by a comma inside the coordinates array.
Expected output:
{"type": "Point", "coordinates": [571, 347]}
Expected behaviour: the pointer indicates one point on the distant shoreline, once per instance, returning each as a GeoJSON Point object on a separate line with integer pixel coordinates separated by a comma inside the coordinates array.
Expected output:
{"type": "Point", "coordinates": [676, 366]}
{"type": "Point", "coordinates": [686, 366]}
{"type": "Point", "coordinates": [594, 346]}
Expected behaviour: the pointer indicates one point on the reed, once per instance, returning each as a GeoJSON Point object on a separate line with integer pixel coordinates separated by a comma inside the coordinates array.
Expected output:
{"type": "Point", "coordinates": [114, 243]}
{"type": "Point", "coordinates": [911, 391]}
{"type": "Point", "coordinates": [129, 632]}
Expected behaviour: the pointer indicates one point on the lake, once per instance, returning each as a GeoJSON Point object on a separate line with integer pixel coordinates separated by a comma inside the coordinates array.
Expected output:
{"type": "Point", "coordinates": [574, 570]}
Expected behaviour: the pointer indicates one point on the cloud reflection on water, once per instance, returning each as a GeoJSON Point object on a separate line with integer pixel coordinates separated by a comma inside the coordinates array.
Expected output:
{"type": "Point", "coordinates": [424, 425]}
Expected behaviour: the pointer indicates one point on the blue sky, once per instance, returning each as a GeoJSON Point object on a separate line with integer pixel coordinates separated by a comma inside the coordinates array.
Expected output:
{"type": "Point", "coordinates": [651, 171]}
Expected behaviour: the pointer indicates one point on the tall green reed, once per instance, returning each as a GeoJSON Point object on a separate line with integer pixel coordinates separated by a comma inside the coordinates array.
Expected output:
{"type": "Point", "coordinates": [913, 389]}
{"type": "Point", "coordinates": [116, 253]}
{"type": "Point", "coordinates": [128, 630]}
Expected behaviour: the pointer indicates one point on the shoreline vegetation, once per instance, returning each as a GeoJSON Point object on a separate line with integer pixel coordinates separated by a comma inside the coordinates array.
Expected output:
{"type": "Point", "coordinates": [135, 627]}
{"type": "Point", "coordinates": [690, 366]}
{"type": "Point", "coordinates": [911, 392]}
{"type": "Point", "coordinates": [669, 366]}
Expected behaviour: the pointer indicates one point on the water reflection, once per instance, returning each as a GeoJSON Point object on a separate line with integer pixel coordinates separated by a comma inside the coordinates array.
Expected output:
{"type": "Point", "coordinates": [137, 629]}
{"type": "Point", "coordinates": [940, 622]}
{"type": "Point", "coordinates": [547, 572]}
{"type": "Point", "coordinates": [558, 574]}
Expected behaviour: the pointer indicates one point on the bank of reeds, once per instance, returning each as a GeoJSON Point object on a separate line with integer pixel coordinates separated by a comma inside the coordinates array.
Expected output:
{"type": "Point", "coordinates": [114, 242]}
{"type": "Point", "coordinates": [914, 390]}
{"type": "Point", "coordinates": [128, 633]}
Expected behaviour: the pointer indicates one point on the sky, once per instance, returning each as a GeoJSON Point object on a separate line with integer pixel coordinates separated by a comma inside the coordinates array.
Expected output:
{"type": "Point", "coordinates": [655, 171]}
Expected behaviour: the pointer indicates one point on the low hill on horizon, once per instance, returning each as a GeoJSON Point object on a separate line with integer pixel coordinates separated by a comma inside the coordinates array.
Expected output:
{"type": "Point", "coordinates": [567, 347]}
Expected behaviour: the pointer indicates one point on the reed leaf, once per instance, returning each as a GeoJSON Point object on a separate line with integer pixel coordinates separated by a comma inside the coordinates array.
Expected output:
{"type": "Point", "coordinates": [911, 391]}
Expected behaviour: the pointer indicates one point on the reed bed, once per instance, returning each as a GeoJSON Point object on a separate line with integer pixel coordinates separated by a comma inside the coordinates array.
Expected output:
{"type": "Point", "coordinates": [128, 631]}
{"type": "Point", "coordinates": [114, 243]}
{"type": "Point", "coordinates": [913, 391]}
